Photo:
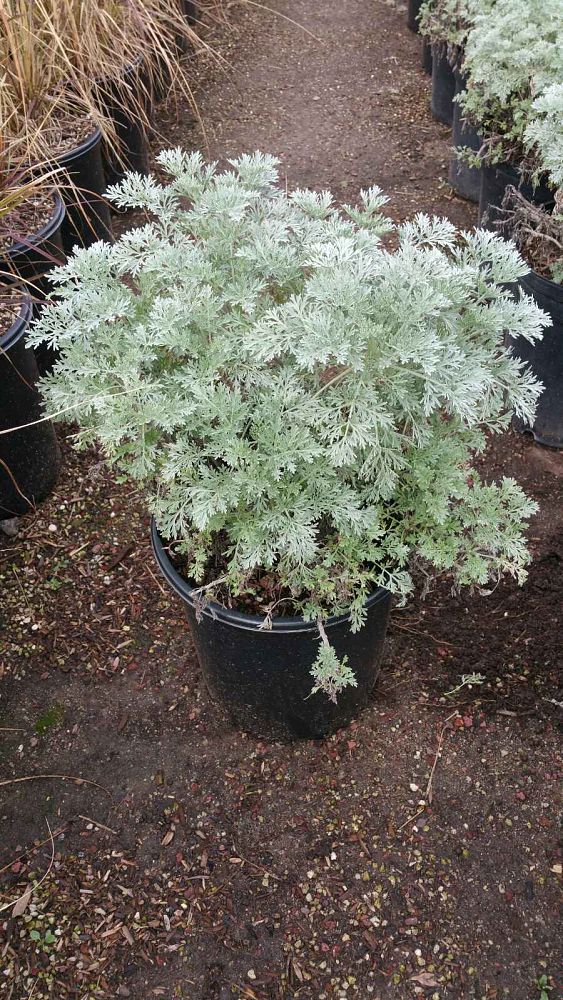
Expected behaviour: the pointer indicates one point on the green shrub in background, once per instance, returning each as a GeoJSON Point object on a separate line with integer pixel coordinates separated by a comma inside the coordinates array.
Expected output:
{"type": "Point", "coordinates": [513, 53]}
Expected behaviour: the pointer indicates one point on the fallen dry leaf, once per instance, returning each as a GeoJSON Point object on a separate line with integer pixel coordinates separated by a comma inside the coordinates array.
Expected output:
{"type": "Point", "coordinates": [297, 970]}
{"type": "Point", "coordinates": [127, 935]}
{"type": "Point", "coordinates": [424, 979]}
{"type": "Point", "coordinates": [21, 904]}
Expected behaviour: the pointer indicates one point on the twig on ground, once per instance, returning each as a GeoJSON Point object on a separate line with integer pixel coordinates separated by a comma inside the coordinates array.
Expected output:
{"type": "Point", "coordinates": [61, 777]}
{"type": "Point", "coordinates": [270, 10]}
{"type": "Point", "coordinates": [158, 583]}
{"type": "Point", "coordinates": [36, 847]}
{"type": "Point", "coordinates": [102, 826]}
{"type": "Point", "coordinates": [121, 555]}
{"type": "Point", "coordinates": [425, 635]}
{"type": "Point", "coordinates": [258, 868]}
{"type": "Point", "coordinates": [428, 792]}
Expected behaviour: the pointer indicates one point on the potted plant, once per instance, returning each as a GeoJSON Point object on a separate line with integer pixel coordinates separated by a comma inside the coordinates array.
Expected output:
{"type": "Point", "coordinates": [49, 119]}
{"type": "Point", "coordinates": [413, 21]}
{"type": "Point", "coordinates": [75, 89]}
{"type": "Point", "coordinates": [442, 23]}
{"type": "Point", "coordinates": [303, 407]}
{"type": "Point", "coordinates": [31, 218]}
{"type": "Point", "coordinates": [443, 84]}
{"type": "Point", "coordinates": [538, 234]}
{"type": "Point", "coordinates": [31, 214]}
{"type": "Point", "coordinates": [123, 54]}
{"type": "Point", "coordinates": [512, 54]}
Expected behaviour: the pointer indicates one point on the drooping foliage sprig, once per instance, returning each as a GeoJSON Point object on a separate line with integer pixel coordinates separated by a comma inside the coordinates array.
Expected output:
{"type": "Point", "coordinates": [544, 135]}
{"type": "Point", "coordinates": [290, 389]}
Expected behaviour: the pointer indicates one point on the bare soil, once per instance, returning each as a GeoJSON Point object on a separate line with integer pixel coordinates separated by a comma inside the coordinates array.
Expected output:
{"type": "Point", "coordinates": [205, 863]}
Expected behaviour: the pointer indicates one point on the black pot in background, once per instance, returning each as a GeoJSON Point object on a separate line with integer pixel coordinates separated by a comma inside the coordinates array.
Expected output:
{"type": "Point", "coordinates": [465, 180]}
{"type": "Point", "coordinates": [191, 10]}
{"type": "Point", "coordinates": [162, 81]}
{"type": "Point", "coordinates": [32, 259]}
{"type": "Point", "coordinates": [162, 78]}
{"type": "Point", "coordinates": [119, 101]}
{"type": "Point", "coordinates": [161, 84]}
{"type": "Point", "coordinates": [413, 10]}
{"type": "Point", "coordinates": [32, 454]}
{"type": "Point", "coordinates": [262, 676]}
{"type": "Point", "coordinates": [443, 86]}
{"type": "Point", "coordinates": [494, 182]}
{"type": "Point", "coordinates": [426, 56]}
{"type": "Point", "coordinates": [31, 262]}
{"type": "Point", "coordinates": [87, 213]}
{"type": "Point", "coordinates": [545, 358]}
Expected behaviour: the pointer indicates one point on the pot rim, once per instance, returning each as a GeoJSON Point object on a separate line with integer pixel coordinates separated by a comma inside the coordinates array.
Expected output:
{"type": "Point", "coordinates": [241, 619]}
{"type": "Point", "coordinates": [19, 326]}
{"type": "Point", "coordinates": [43, 234]}
{"type": "Point", "coordinates": [552, 290]}
{"type": "Point", "coordinates": [85, 146]}
{"type": "Point", "coordinates": [136, 67]}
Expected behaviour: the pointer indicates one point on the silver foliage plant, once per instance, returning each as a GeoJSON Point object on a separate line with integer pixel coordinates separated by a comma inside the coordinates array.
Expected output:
{"type": "Point", "coordinates": [544, 134]}
{"type": "Point", "coordinates": [513, 53]}
{"type": "Point", "coordinates": [285, 385]}
{"type": "Point", "coordinates": [447, 22]}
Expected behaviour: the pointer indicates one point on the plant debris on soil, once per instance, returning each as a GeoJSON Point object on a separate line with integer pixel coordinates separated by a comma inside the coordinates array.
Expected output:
{"type": "Point", "coordinates": [262, 593]}
{"type": "Point", "coordinates": [148, 848]}
{"type": "Point", "coordinates": [63, 132]}
{"type": "Point", "coordinates": [538, 233]}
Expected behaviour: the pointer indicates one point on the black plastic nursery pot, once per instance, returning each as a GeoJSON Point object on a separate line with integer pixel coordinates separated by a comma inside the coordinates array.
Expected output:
{"type": "Point", "coordinates": [30, 457]}
{"type": "Point", "coordinates": [262, 676]}
{"type": "Point", "coordinates": [494, 182]}
{"type": "Point", "coordinates": [87, 213]}
{"type": "Point", "coordinates": [163, 79]}
{"type": "Point", "coordinates": [31, 262]}
{"type": "Point", "coordinates": [33, 258]}
{"type": "Point", "coordinates": [121, 102]}
{"type": "Point", "coordinates": [545, 358]}
{"type": "Point", "coordinates": [190, 9]}
{"type": "Point", "coordinates": [426, 56]}
{"type": "Point", "coordinates": [443, 86]}
{"type": "Point", "coordinates": [413, 10]}
{"type": "Point", "coordinates": [465, 180]}
{"type": "Point", "coordinates": [161, 86]}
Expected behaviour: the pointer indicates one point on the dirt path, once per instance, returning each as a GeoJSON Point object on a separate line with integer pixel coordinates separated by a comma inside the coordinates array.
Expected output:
{"type": "Point", "coordinates": [336, 91]}
{"type": "Point", "coordinates": [211, 865]}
